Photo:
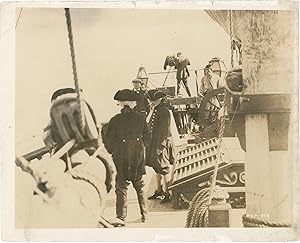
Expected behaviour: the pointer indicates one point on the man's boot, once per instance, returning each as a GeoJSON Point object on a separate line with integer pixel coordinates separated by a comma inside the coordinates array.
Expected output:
{"type": "Point", "coordinates": [121, 203]}
{"type": "Point", "coordinates": [139, 188]}
{"type": "Point", "coordinates": [156, 195]}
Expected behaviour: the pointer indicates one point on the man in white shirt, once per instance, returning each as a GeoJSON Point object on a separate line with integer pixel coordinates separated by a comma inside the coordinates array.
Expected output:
{"type": "Point", "coordinates": [210, 81]}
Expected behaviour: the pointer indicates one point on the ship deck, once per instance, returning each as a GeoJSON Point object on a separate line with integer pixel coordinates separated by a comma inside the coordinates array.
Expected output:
{"type": "Point", "coordinates": [160, 215]}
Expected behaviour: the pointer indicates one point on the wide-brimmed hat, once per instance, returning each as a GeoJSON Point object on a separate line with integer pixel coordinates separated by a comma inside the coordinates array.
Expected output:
{"type": "Point", "coordinates": [155, 94]}
{"type": "Point", "coordinates": [126, 95]}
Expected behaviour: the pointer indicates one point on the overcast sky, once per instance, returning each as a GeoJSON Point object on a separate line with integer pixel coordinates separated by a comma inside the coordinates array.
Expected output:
{"type": "Point", "coordinates": [110, 45]}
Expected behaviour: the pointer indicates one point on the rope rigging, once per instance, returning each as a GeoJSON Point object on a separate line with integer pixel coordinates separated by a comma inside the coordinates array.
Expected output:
{"type": "Point", "coordinates": [198, 210]}
{"type": "Point", "coordinates": [231, 38]}
{"type": "Point", "coordinates": [75, 77]}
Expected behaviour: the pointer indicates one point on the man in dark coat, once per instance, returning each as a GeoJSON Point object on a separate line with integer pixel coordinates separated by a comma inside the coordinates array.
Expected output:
{"type": "Point", "coordinates": [160, 153]}
{"type": "Point", "coordinates": [182, 72]}
{"type": "Point", "coordinates": [126, 136]}
{"type": "Point", "coordinates": [142, 105]}
{"type": "Point", "coordinates": [180, 63]}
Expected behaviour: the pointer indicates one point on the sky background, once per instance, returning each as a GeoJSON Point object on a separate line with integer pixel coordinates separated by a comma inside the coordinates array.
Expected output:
{"type": "Point", "coordinates": [110, 45]}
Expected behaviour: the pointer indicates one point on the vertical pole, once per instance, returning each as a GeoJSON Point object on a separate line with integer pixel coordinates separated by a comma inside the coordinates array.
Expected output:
{"type": "Point", "coordinates": [268, 42]}
{"type": "Point", "coordinates": [268, 67]}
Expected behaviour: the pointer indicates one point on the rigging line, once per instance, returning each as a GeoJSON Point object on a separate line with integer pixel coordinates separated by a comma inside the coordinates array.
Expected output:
{"type": "Point", "coordinates": [152, 73]}
{"type": "Point", "coordinates": [152, 83]}
{"type": "Point", "coordinates": [235, 110]}
{"type": "Point", "coordinates": [167, 76]}
{"type": "Point", "coordinates": [19, 17]}
{"type": "Point", "coordinates": [197, 86]}
{"type": "Point", "coordinates": [75, 77]}
{"type": "Point", "coordinates": [231, 38]}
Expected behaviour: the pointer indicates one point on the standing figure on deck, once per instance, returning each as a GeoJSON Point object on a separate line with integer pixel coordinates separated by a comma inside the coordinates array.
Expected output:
{"type": "Point", "coordinates": [142, 105]}
{"type": "Point", "coordinates": [126, 136]}
{"type": "Point", "coordinates": [160, 153]}
{"type": "Point", "coordinates": [182, 72]}
{"type": "Point", "coordinates": [180, 63]}
{"type": "Point", "coordinates": [209, 81]}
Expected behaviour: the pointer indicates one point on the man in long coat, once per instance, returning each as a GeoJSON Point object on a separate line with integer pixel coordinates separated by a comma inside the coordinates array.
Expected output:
{"type": "Point", "coordinates": [160, 153]}
{"type": "Point", "coordinates": [126, 136]}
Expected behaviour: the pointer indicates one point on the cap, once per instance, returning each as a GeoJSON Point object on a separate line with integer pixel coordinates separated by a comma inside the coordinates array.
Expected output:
{"type": "Point", "coordinates": [137, 80]}
{"type": "Point", "coordinates": [126, 95]}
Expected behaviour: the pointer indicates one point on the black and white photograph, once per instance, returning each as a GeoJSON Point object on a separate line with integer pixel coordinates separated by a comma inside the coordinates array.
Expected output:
{"type": "Point", "coordinates": [133, 117]}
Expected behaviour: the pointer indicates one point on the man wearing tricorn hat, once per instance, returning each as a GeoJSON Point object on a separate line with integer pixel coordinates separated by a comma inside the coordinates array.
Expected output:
{"type": "Point", "coordinates": [142, 105]}
{"type": "Point", "coordinates": [126, 136]}
{"type": "Point", "coordinates": [160, 153]}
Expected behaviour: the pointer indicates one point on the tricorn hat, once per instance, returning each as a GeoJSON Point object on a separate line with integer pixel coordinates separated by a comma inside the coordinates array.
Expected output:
{"type": "Point", "coordinates": [126, 95]}
{"type": "Point", "coordinates": [155, 94]}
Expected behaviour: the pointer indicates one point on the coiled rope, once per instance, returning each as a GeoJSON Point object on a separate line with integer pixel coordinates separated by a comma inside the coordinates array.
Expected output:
{"type": "Point", "coordinates": [253, 222]}
{"type": "Point", "coordinates": [75, 77]}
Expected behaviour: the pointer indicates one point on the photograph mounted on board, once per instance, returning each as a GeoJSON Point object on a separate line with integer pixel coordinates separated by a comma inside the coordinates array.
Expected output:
{"type": "Point", "coordinates": [155, 118]}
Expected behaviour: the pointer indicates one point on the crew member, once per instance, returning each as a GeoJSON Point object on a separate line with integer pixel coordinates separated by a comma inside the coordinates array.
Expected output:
{"type": "Point", "coordinates": [142, 105]}
{"type": "Point", "coordinates": [160, 153]}
{"type": "Point", "coordinates": [209, 81]}
{"type": "Point", "coordinates": [182, 72]}
{"type": "Point", "coordinates": [180, 63]}
{"type": "Point", "coordinates": [126, 136]}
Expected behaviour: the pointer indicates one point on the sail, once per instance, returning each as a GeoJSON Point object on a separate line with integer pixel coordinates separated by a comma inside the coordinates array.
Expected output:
{"type": "Point", "coordinates": [222, 17]}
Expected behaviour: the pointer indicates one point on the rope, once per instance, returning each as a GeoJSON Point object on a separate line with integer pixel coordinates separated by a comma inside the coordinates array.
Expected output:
{"type": "Point", "coordinates": [152, 83]}
{"type": "Point", "coordinates": [253, 222]}
{"type": "Point", "coordinates": [153, 73]}
{"type": "Point", "coordinates": [231, 38]}
{"type": "Point", "coordinates": [235, 110]}
{"type": "Point", "coordinates": [167, 76]}
{"type": "Point", "coordinates": [198, 211]}
{"type": "Point", "coordinates": [221, 133]}
{"type": "Point", "coordinates": [197, 87]}
{"type": "Point", "coordinates": [77, 89]}
{"type": "Point", "coordinates": [199, 199]}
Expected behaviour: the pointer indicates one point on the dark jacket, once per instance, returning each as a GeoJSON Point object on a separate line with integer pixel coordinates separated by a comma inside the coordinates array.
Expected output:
{"type": "Point", "coordinates": [142, 105]}
{"type": "Point", "coordinates": [170, 61]}
{"type": "Point", "coordinates": [126, 136]}
{"type": "Point", "coordinates": [182, 70]}
{"type": "Point", "coordinates": [160, 132]}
